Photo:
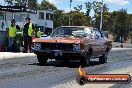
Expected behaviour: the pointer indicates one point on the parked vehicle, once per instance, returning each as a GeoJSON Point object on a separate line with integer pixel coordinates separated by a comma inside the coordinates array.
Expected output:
{"type": "Point", "coordinates": [73, 43]}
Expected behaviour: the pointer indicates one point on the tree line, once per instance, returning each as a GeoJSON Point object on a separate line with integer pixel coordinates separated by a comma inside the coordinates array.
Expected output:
{"type": "Point", "coordinates": [118, 23]}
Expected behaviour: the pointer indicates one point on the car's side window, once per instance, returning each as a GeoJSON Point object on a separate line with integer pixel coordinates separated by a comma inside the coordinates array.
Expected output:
{"type": "Point", "coordinates": [88, 32]}
{"type": "Point", "coordinates": [96, 34]}
{"type": "Point", "coordinates": [61, 32]}
{"type": "Point", "coordinates": [102, 35]}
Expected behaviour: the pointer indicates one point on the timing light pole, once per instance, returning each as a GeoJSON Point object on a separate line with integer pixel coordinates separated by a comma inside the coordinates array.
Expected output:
{"type": "Point", "coordinates": [70, 14]}
{"type": "Point", "coordinates": [101, 21]}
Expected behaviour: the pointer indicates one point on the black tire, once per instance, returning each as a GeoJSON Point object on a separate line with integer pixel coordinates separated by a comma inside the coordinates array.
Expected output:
{"type": "Point", "coordinates": [41, 60]}
{"type": "Point", "coordinates": [86, 60]}
{"type": "Point", "coordinates": [103, 59]}
{"type": "Point", "coordinates": [81, 80]}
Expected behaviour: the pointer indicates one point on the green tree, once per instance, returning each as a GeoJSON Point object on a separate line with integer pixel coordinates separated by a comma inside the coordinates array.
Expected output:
{"type": "Point", "coordinates": [120, 28]}
{"type": "Point", "coordinates": [9, 2]}
{"type": "Point", "coordinates": [97, 6]}
{"type": "Point", "coordinates": [130, 36]}
{"type": "Point", "coordinates": [78, 8]}
{"type": "Point", "coordinates": [88, 8]}
{"type": "Point", "coordinates": [79, 19]}
{"type": "Point", "coordinates": [107, 21]}
{"type": "Point", "coordinates": [129, 26]}
{"type": "Point", "coordinates": [60, 19]}
{"type": "Point", "coordinates": [46, 5]}
{"type": "Point", "coordinates": [31, 3]}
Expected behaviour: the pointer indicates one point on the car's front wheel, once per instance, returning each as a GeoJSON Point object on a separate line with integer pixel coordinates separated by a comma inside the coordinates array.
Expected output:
{"type": "Point", "coordinates": [104, 57]}
{"type": "Point", "coordinates": [86, 60]}
{"type": "Point", "coordinates": [42, 60]}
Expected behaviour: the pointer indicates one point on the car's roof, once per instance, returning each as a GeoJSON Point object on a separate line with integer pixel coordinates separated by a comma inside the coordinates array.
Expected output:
{"type": "Point", "coordinates": [75, 27]}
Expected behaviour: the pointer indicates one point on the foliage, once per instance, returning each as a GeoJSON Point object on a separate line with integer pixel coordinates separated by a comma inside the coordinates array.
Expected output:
{"type": "Point", "coordinates": [88, 8]}
{"type": "Point", "coordinates": [31, 3]}
{"type": "Point", "coordinates": [47, 6]}
{"type": "Point", "coordinates": [9, 2]}
{"type": "Point", "coordinates": [97, 6]}
{"type": "Point", "coordinates": [119, 20]}
{"type": "Point", "coordinates": [130, 36]}
{"type": "Point", "coordinates": [79, 19]}
{"type": "Point", "coordinates": [59, 19]}
{"type": "Point", "coordinates": [78, 8]}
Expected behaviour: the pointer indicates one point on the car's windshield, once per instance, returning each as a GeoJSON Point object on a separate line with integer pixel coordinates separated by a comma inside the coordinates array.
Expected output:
{"type": "Point", "coordinates": [68, 32]}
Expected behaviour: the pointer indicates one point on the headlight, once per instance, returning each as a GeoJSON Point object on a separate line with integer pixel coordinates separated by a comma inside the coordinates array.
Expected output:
{"type": "Point", "coordinates": [76, 47]}
{"type": "Point", "coordinates": [37, 45]}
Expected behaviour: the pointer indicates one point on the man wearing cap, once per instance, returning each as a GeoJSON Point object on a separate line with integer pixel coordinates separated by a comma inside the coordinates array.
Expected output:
{"type": "Point", "coordinates": [12, 34]}
{"type": "Point", "coordinates": [27, 32]}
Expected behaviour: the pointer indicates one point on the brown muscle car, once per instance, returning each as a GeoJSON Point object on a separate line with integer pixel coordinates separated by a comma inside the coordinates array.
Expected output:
{"type": "Point", "coordinates": [73, 43]}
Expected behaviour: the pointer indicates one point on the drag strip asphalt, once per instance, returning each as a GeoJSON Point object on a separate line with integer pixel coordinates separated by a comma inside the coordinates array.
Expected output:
{"type": "Point", "coordinates": [26, 73]}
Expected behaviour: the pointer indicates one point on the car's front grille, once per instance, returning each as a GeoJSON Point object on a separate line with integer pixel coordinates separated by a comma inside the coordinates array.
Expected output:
{"type": "Point", "coordinates": [56, 46]}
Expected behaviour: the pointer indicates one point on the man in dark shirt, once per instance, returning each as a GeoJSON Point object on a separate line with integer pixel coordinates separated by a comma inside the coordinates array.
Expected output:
{"type": "Point", "coordinates": [27, 34]}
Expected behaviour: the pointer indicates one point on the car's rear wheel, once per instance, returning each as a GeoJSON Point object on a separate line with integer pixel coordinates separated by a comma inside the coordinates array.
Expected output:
{"type": "Point", "coordinates": [103, 59]}
{"type": "Point", "coordinates": [86, 60]}
{"type": "Point", "coordinates": [42, 60]}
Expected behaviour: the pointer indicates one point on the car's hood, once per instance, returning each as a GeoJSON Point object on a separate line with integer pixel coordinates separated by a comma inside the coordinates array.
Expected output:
{"type": "Point", "coordinates": [59, 39]}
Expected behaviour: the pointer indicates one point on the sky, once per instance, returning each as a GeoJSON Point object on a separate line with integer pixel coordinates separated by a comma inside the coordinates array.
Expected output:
{"type": "Point", "coordinates": [112, 4]}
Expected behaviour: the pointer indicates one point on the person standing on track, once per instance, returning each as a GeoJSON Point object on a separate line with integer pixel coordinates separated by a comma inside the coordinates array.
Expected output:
{"type": "Point", "coordinates": [12, 35]}
{"type": "Point", "coordinates": [27, 33]}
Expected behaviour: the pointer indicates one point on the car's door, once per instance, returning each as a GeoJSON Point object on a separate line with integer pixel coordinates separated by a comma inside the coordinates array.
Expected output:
{"type": "Point", "coordinates": [88, 42]}
{"type": "Point", "coordinates": [95, 43]}
{"type": "Point", "coordinates": [102, 42]}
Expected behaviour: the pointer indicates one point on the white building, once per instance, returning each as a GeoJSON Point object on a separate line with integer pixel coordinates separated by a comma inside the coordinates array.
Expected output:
{"type": "Point", "coordinates": [43, 19]}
